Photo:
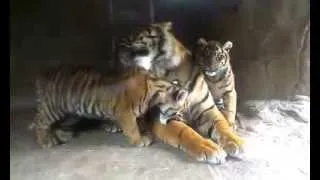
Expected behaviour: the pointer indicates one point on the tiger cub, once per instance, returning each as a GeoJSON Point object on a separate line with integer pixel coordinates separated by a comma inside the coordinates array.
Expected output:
{"type": "Point", "coordinates": [84, 92]}
{"type": "Point", "coordinates": [214, 60]}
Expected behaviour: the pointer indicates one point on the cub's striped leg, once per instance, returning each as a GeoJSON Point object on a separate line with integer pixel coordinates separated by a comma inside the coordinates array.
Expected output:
{"type": "Point", "coordinates": [214, 124]}
{"type": "Point", "coordinates": [46, 136]}
{"type": "Point", "coordinates": [180, 135]}
{"type": "Point", "coordinates": [230, 107]}
{"type": "Point", "coordinates": [130, 128]}
{"type": "Point", "coordinates": [63, 135]}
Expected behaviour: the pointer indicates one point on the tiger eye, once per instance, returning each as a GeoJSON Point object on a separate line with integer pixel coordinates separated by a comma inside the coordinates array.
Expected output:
{"type": "Point", "coordinates": [221, 56]}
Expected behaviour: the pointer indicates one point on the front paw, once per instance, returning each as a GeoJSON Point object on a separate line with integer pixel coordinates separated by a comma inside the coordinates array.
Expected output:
{"type": "Point", "coordinates": [45, 138]}
{"type": "Point", "coordinates": [207, 151]}
{"type": "Point", "coordinates": [143, 141]}
{"type": "Point", "coordinates": [233, 149]}
{"type": "Point", "coordinates": [228, 139]}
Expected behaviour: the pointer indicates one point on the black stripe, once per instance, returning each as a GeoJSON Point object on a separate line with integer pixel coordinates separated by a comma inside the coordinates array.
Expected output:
{"type": "Point", "coordinates": [202, 101]}
{"type": "Point", "coordinates": [143, 99]}
{"type": "Point", "coordinates": [114, 108]}
{"type": "Point", "coordinates": [201, 114]}
{"type": "Point", "coordinates": [160, 43]}
{"type": "Point", "coordinates": [171, 119]}
{"type": "Point", "coordinates": [92, 90]}
{"type": "Point", "coordinates": [73, 88]}
{"type": "Point", "coordinates": [194, 81]}
{"type": "Point", "coordinates": [160, 50]}
{"type": "Point", "coordinates": [161, 86]}
{"type": "Point", "coordinates": [47, 108]}
{"type": "Point", "coordinates": [151, 100]}
{"type": "Point", "coordinates": [210, 131]}
{"type": "Point", "coordinates": [169, 109]}
{"type": "Point", "coordinates": [228, 74]}
{"type": "Point", "coordinates": [220, 78]}
{"type": "Point", "coordinates": [81, 89]}
{"type": "Point", "coordinates": [227, 92]}
{"type": "Point", "coordinates": [225, 85]}
{"type": "Point", "coordinates": [192, 75]}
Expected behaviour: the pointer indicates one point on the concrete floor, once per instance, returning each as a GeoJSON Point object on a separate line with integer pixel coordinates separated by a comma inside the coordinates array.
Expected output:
{"type": "Point", "coordinates": [278, 147]}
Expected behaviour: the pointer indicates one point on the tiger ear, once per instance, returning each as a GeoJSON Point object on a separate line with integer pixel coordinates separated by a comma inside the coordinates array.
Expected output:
{"type": "Point", "coordinates": [201, 42]}
{"type": "Point", "coordinates": [165, 25]}
{"type": "Point", "coordinates": [227, 46]}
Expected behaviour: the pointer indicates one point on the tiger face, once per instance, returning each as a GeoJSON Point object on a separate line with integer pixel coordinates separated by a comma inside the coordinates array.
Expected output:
{"type": "Point", "coordinates": [212, 56]}
{"type": "Point", "coordinates": [147, 46]}
{"type": "Point", "coordinates": [171, 103]}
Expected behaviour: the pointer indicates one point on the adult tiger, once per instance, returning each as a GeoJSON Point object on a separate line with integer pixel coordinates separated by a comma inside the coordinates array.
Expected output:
{"type": "Point", "coordinates": [82, 91]}
{"type": "Point", "coordinates": [155, 49]}
{"type": "Point", "coordinates": [214, 60]}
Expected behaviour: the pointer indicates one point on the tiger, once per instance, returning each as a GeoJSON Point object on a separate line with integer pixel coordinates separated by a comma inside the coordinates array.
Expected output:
{"type": "Point", "coordinates": [214, 60]}
{"type": "Point", "coordinates": [154, 48]}
{"type": "Point", "coordinates": [83, 91]}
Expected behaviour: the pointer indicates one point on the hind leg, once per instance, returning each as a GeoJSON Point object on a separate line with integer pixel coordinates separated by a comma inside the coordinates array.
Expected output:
{"type": "Point", "coordinates": [63, 136]}
{"type": "Point", "coordinates": [46, 136]}
{"type": "Point", "coordinates": [64, 131]}
{"type": "Point", "coordinates": [128, 123]}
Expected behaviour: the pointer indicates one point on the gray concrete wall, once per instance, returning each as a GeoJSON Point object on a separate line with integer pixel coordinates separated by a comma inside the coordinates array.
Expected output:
{"type": "Point", "coordinates": [271, 38]}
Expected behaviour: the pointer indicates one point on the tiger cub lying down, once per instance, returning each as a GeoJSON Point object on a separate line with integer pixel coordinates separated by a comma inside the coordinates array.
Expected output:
{"type": "Point", "coordinates": [84, 92]}
{"type": "Point", "coordinates": [214, 60]}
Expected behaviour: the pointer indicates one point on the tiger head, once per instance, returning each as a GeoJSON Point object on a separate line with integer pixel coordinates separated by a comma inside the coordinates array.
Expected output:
{"type": "Point", "coordinates": [212, 57]}
{"type": "Point", "coordinates": [171, 102]}
{"type": "Point", "coordinates": [148, 47]}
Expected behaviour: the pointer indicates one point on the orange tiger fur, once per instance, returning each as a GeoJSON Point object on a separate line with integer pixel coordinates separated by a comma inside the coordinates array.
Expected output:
{"type": "Point", "coordinates": [180, 135]}
{"type": "Point", "coordinates": [155, 49]}
{"type": "Point", "coordinates": [85, 92]}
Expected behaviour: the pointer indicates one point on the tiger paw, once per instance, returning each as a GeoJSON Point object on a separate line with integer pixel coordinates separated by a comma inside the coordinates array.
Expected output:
{"type": "Point", "coordinates": [111, 128]}
{"type": "Point", "coordinates": [63, 136]}
{"type": "Point", "coordinates": [232, 144]}
{"type": "Point", "coordinates": [45, 139]}
{"type": "Point", "coordinates": [228, 139]}
{"type": "Point", "coordinates": [234, 150]}
{"type": "Point", "coordinates": [143, 141]}
{"type": "Point", "coordinates": [208, 151]}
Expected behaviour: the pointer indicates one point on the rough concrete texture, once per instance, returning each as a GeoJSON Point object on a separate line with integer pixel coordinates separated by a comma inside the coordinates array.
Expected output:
{"type": "Point", "coordinates": [277, 136]}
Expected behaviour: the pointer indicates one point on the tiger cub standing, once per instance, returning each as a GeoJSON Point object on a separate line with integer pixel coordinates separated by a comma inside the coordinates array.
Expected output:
{"type": "Point", "coordinates": [84, 92]}
{"type": "Point", "coordinates": [214, 60]}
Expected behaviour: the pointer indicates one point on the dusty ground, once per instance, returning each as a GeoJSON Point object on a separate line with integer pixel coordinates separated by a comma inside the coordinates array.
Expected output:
{"type": "Point", "coordinates": [278, 147]}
